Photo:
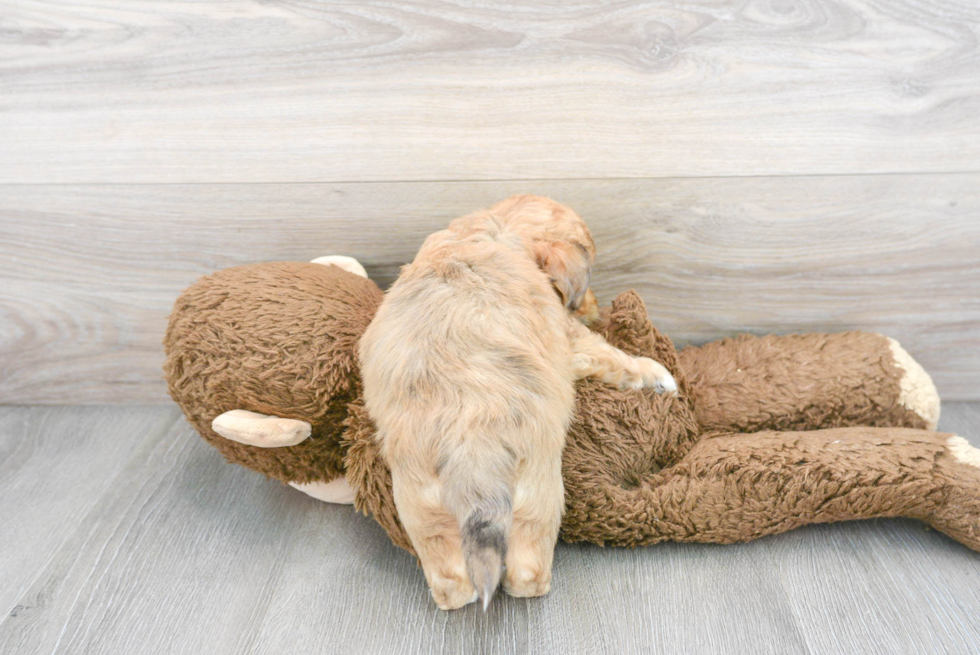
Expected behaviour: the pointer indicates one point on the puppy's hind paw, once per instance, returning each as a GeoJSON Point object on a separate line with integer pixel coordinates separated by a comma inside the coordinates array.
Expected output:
{"type": "Point", "coordinates": [527, 583]}
{"type": "Point", "coordinates": [451, 593]}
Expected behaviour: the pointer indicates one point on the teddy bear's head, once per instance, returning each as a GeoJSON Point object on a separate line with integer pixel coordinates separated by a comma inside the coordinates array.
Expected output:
{"type": "Point", "coordinates": [276, 338]}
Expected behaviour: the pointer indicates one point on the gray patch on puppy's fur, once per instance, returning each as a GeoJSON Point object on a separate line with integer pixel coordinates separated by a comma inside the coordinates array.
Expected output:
{"type": "Point", "coordinates": [484, 537]}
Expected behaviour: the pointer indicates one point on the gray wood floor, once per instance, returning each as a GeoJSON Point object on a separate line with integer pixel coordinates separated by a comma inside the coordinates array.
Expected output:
{"type": "Point", "coordinates": [121, 531]}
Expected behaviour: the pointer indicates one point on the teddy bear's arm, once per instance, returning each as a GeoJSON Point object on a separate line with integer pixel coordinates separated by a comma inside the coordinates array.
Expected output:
{"type": "Point", "coordinates": [811, 381]}
{"type": "Point", "coordinates": [737, 487]}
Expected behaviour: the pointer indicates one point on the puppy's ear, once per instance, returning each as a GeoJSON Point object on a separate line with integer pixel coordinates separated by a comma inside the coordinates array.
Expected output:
{"type": "Point", "coordinates": [570, 268]}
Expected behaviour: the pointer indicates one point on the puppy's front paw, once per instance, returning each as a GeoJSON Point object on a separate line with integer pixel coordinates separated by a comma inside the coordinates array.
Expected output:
{"type": "Point", "coordinates": [453, 592]}
{"type": "Point", "coordinates": [584, 365]}
{"type": "Point", "coordinates": [652, 374]}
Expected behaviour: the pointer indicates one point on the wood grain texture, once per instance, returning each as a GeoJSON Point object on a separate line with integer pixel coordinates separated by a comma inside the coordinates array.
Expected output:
{"type": "Point", "coordinates": [212, 91]}
{"type": "Point", "coordinates": [940, 582]}
{"type": "Point", "coordinates": [176, 557]}
{"type": "Point", "coordinates": [91, 271]}
{"type": "Point", "coordinates": [181, 553]}
{"type": "Point", "coordinates": [48, 461]}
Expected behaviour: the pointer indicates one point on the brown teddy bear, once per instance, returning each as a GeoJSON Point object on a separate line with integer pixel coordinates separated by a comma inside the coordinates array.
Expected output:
{"type": "Point", "coordinates": [765, 434]}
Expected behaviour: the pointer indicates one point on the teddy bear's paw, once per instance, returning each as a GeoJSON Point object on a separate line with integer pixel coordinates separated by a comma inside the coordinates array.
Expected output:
{"type": "Point", "coordinates": [961, 449]}
{"type": "Point", "coordinates": [917, 391]}
{"type": "Point", "coordinates": [452, 592]}
{"type": "Point", "coordinates": [527, 582]}
{"type": "Point", "coordinates": [651, 374]}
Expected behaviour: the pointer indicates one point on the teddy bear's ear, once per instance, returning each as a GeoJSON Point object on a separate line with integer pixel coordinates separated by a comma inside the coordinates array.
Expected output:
{"type": "Point", "coordinates": [629, 329]}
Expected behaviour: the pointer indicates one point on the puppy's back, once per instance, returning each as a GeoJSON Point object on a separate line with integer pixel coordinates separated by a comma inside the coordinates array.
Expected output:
{"type": "Point", "coordinates": [465, 373]}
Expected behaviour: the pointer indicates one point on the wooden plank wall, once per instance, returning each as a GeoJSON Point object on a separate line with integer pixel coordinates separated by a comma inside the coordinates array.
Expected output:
{"type": "Point", "coordinates": [777, 165]}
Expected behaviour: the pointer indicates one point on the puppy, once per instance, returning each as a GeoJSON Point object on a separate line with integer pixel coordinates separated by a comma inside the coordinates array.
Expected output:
{"type": "Point", "coordinates": [469, 370]}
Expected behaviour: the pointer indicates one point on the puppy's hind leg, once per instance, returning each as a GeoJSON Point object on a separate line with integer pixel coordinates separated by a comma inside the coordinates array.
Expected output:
{"type": "Point", "coordinates": [594, 357]}
{"type": "Point", "coordinates": [539, 501]}
{"type": "Point", "coordinates": [477, 489]}
{"type": "Point", "coordinates": [435, 536]}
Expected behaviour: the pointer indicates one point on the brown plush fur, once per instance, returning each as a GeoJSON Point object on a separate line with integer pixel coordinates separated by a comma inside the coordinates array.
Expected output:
{"type": "Point", "coordinates": [713, 464]}
{"type": "Point", "coordinates": [278, 338]}
{"type": "Point", "coordinates": [798, 382]}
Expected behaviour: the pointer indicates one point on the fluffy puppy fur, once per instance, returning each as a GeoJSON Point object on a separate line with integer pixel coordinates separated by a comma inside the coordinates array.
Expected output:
{"type": "Point", "coordinates": [469, 370]}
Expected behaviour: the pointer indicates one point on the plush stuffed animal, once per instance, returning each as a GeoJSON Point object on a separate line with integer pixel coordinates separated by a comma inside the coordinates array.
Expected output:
{"type": "Point", "coordinates": [765, 434]}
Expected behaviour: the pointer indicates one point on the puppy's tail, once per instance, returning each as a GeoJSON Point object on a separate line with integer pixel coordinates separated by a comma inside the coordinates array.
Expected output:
{"type": "Point", "coordinates": [478, 493]}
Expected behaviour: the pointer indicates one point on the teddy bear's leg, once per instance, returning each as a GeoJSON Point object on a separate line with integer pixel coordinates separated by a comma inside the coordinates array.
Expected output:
{"type": "Point", "coordinates": [335, 491]}
{"type": "Point", "coordinates": [959, 515]}
{"type": "Point", "coordinates": [810, 381]}
{"type": "Point", "coordinates": [349, 264]}
{"type": "Point", "coordinates": [737, 487]}
{"type": "Point", "coordinates": [260, 430]}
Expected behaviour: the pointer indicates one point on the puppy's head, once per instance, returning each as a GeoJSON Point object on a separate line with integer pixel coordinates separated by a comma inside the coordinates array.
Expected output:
{"type": "Point", "coordinates": [558, 240]}
{"type": "Point", "coordinates": [588, 311]}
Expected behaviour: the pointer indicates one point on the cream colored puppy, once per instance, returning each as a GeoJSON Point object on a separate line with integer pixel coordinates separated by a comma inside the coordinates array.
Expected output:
{"type": "Point", "coordinates": [469, 370]}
